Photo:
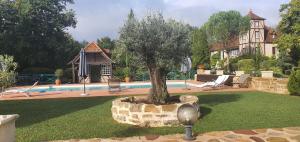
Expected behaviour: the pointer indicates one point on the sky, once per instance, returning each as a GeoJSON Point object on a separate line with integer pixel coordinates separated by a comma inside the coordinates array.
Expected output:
{"type": "Point", "coordinates": [100, 18]}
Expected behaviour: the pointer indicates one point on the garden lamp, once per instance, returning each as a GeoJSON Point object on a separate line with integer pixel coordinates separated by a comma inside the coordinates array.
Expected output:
{"type": "Point", "coordinates": [187, 115]}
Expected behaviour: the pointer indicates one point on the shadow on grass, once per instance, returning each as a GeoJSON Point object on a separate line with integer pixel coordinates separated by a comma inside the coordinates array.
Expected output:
{"type": "Point", "coordinates": [35, 111]}
{"type": "Point", "coordinates": [216, 99]}
{"type": "Point", "coordinates": [204, 111]}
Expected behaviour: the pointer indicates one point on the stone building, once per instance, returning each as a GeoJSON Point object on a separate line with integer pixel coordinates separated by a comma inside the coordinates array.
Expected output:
{"type": "Point", "coordinates": [259, 36]}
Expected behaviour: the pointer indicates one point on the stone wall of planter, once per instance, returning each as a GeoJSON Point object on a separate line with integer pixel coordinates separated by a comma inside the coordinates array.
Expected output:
{"type": "Point", "coordinates": [149, 115]}
{"type": "Point", "coordinates": [272, 85]}
{"type": "Point", "coordinates": [7, 128]}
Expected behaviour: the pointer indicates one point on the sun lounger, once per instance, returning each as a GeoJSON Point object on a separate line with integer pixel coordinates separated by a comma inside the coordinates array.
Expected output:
{"type": "Point", "coordinates": [243, 80]}
{"type": "Point", "coordinates": [114, 84]}
{"type": "Point", "coordinates": [217, 83]}
{"type": "Point", "coordinates": [26, 91]}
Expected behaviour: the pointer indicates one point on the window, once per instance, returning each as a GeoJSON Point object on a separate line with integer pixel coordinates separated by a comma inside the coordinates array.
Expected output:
{"type": "Point", "coordinates": [105, 70]}
{"type": "Point", "coordinates": [273, 51]}
{"type": "Point", "coordinates": [273, 35]}
{"type": "Point", "coordinates": [256, 24]}
{"type": "Point", "coordinates": [244, 38]}
{"type": "Point", "coordinates": [257, 35]}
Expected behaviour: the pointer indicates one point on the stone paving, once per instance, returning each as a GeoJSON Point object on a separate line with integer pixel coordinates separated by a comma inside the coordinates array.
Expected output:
{"type": "Point", "coordinates": [290, 134]}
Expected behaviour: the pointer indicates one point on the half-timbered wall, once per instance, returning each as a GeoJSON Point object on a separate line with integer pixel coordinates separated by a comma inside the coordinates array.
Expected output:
{"type": "Point", "coordinates": [253, 38]}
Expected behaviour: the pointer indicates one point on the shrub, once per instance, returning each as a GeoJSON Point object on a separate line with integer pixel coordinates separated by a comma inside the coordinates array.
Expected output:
{"type": "Point", "coordinates": [268, 64]}
{"type": "Point", "coordinates": [59, 73]}
{"type": "Point", "coordinates": [7, 79]}
{"type": "Point", "coordinates": [294, 83]}
{"type": "Point", "coordinates": [126, 72]}
{"type": "Point", "coordinates": [118, 73]}
{"type": "Point", "coordinates": [141, 74]}
{"type": "Point", "coordinates": [68, 75]}
{"type": "Point", "coordinates": [246, 65]}
{"type": "Point", "coordinates": [7, 71]}
{"type": "Point", "coordinates": [214, 59]}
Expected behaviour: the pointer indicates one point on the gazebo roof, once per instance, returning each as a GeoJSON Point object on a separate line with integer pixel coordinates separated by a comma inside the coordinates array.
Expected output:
{"type": "Point", "coordinates": [94, 48]}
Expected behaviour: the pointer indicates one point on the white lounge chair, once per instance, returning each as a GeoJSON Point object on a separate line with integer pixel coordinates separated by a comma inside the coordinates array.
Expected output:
{"type": "Point", "coordinates": [218, 82]}
{"type": "Point", "coordinates": [26, 91]}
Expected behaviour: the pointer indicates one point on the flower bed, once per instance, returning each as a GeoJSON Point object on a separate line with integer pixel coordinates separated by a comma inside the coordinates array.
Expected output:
{"type": "Point", "coordinates": [149, 115]}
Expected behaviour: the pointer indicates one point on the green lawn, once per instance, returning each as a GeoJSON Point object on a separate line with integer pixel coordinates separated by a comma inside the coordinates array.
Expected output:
{"type": "Point", "coordinates": [90, 117]}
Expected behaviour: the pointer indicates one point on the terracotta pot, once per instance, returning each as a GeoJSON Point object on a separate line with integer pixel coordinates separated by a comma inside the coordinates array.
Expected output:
{"type": "Point", "coordinates": [201, 66]}
{"type": "Point", "coordinates": [57, 82]}
{"type": "Point", "coordinates": [127, 79]}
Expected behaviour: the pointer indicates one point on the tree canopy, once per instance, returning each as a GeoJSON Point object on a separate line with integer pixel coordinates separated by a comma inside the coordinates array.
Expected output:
{"type": "Point", "coordinates": [289, 27]}
{"type": "Point", "coordinates": [223, 26]}
{"type": "Point", "coordinates": [200, 48]}
{"type": "Point", "coordinates": [33, 31]}
{"type": "Point", "coordinates": [158, 45]}
{"type": "Point", "coordinates": [106, 42]}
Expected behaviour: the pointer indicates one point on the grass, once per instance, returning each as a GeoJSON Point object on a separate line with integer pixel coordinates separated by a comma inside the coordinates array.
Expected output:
{"type": "Point", "coordinates": [82, 118]}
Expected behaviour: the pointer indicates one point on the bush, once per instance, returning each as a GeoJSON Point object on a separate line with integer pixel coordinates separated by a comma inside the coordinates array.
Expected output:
{"type": "Point", "coordinates": [7, 71]}
{"type": "Point", "coordinates": [126, 72]}
{"type": "Point", "coordinates": [294, 83]}
{"type": "Point", "coordinates": [268, 64]}
{"type": "Point", "coordinates": [141, 75]}
{"type": "Point", "coordinates": [246, 65]}
{"type": "Point", "coordinates": [214, 59]}
{"type": "Point", "coordinates": [7, 79]}
{"type": "Point", "coordinates": [118, 73]}
{"type": "Point", "coordinates": [59, 73]}
{"type": "Point", "coordinates": [68, 75]}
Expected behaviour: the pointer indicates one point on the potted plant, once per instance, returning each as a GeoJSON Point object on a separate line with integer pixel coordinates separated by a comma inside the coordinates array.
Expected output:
{"type": "Point", "coordinates": [127, 74]}
{"type": "Point", "coordinates": [58, 74]}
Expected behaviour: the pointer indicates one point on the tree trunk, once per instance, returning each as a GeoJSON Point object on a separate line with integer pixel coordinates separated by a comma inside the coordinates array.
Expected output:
{"type": "Point", "coordinates": [159, 92]}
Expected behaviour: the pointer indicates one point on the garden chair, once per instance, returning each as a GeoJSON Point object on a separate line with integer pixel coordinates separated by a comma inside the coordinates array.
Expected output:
{"type": "Point", "coordinates": [26, 91]}
{"type": "Point", "coordinates": [242, 81]}
{"type": "Point", "coordinates": [219, 82]}
{"type": "Point", "coordinates": [114, 84]}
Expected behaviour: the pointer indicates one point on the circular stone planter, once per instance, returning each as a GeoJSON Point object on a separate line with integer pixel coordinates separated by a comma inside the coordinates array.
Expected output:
{"type": "Point", "coordinates": [149, 115]}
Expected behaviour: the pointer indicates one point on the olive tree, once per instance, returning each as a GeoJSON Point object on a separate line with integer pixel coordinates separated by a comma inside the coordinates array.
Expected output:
{"type": "Point", "coordinates": [157, 44]}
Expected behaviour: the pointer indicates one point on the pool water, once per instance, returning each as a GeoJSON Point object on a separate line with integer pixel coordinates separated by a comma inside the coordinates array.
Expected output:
{"type": "Point", "coordinates": [100, 87]}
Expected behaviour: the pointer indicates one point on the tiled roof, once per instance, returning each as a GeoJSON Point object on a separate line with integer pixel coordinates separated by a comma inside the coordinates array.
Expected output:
{"type": "Point", "coordinates": [93, 48]}
{"type": "Point", "coordinates": [254, 16]}
{"type": "Point", "coordinates": [270, 35]}
{"type": "Point", "coordinates": [232, 44]}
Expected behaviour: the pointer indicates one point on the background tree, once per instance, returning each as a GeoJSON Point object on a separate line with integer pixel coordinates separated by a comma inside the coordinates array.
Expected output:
{"type": "Point", "coordinates": [33, 31]}
{"type": "Point", "coordinates": [289, 26]}
{"type": "Point", "coordinates": [106, 43]}
{"type": "Point", "coordinates": [200, 49]}
{"type": "Point", "coordinates": [223, 26]}
{"type": "Point", "coordinates": [158, 45]}
{"type": "Point", "coordinates": [124, 59]}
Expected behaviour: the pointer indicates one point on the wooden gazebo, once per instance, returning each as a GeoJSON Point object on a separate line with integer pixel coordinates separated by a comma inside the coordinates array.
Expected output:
{"type": "Point", "coordinates": [99, 64]}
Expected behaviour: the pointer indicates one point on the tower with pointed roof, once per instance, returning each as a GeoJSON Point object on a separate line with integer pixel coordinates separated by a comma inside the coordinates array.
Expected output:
{"type": "Point", "coordinates": [258, 38]}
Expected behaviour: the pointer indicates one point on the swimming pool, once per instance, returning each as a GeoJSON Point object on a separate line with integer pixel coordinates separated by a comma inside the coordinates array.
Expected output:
{"type": "Point", "coordinates": [101, 87]}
